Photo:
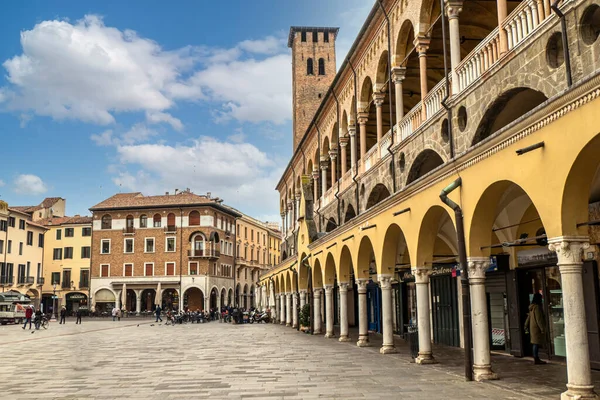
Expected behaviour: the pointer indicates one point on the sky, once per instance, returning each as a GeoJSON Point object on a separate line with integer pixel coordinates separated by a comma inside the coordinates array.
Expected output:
{"type": "Point", "coordinates": [102, 97]}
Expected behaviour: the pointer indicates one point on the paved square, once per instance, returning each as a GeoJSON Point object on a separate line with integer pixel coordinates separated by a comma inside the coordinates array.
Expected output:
{"type": "Point", "coordinates": [102, 359]}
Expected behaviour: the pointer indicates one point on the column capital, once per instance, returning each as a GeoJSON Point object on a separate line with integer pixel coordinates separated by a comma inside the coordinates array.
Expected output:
{"type": "Point", "coordinates": [378, 98]}
{"type": "Point", "coordinates": [385, 281]}
{"type": "Point", "coordinates": [398, 74]}
{"type": "Point", "coordinates": [363, 117]}
{"type": "Point", "coordinates": [282, 215]}
{"type": "Point", "coordinates": [344, 141]}
{"type": "Point", "coordinates": [333, 153]}
{"type": "Point", "coordinates": [421, 274]}
{"type": "Point", "coordinates": [361, 285]}
{"type": "Point", "coordinates": [352, 130]}
{"type": "Point", "coordinates": [317, 292]}
{"type": "Point", "coordinates": [477, 267]}
{"type": "Point", "coordinates": [343, 286]}
{"type": "Point", "coordinates": [324, 162]}
{"type": "Point", "coordinates": [302, 291]}
{"type": "Point", "coordinates": [294, 295]}
{"type": "Point", "coordinates": [453, 8]}
{"type": "Point", "coordinates": [422, 44]}
{"type": "Point", "coordinates": [569, 250]}
{"type": "Point", "coordinates": [315, 174]}
{"type": "Point", "coordinates": [298, 194]}
{"type": "Point", "coordinates": [328, 288]}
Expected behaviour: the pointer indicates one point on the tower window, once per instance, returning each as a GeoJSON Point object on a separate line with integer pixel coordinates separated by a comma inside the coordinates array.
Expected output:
{"type": "Point", "coordinates": [321, 66]}
{"type": "Point", "coordinates": [303, 36]}
{"type": "Point", "coordinates": [315, 37]}
{"type": "Point", "coordinates": [309, 67]}
{"type": "Point", "coordinates": [326, 36]}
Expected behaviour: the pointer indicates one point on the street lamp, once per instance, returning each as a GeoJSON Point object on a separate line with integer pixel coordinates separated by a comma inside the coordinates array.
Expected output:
{"type": "Point", "coordinates": [54, 314]}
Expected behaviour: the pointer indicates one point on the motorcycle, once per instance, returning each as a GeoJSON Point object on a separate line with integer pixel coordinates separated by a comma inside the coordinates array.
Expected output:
{"type": "Point", "coordinates": [258, 317]}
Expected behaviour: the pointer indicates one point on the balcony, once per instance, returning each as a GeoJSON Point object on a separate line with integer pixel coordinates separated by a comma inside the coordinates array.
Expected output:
{"type": "Point", "coordinates": [129, 230]}
{"type": "Point", "coordinates": [84, 284]}
{"type": "Point", "coordinates": [6, 280]}
{"type": "Point", "coordinates": [170, 229]}
{"type": "Point", "coordinates": [26, 280]}
{"type": "Point", "coordinates": [40, 280]}
{"type": "Point", "coordinates": [207, 253]}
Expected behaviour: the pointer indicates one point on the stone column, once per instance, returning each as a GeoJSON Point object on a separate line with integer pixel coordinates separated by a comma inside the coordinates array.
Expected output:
{"type": "Point", "coordinates": [294, 310]}
{"type": "Point", "coordinates": [288, 309]}
{"type": "Point", "coordinates": [333, 156]}
{"type": "Point", "coordinates": [423, 317]}
{"type": "Point", "coordinates": [352, 134]}
{"type": "Point", "coordinates": [329, 333]}
{"type": "Point", "coordinates": [282, 223]}
{"type": "Point", "coordinates": [315, 176]}
{"type": "Point", "coordinates": [422, 45]}
{"type": "Point", "coordinates": [378, 99]}
{"type": "Point", "coordinates": [398, 75]}
{"type": "Point", "coordinates": [264, 298]}
{"type": "Point", "coordinates": [298, 196]}
{"type": "Point", "coordinates": [324, 166]}
{"type": "Point", "coordinates": [275, 312]}
{"type": "Point", "coordinates": [282, 309]}
{"type": "Point", "coordinates": [502, 13]}
{"type": "Point", "coordinates": [453, 8]}
{"type": "Point", "coordinates": [569, 250]}
{"type": "Point", "coordinates": [117, 301]}
{"type": "Point", "coordinates": [363, 328]}
{"type": "Point", "coordinates": [317, 312]}
{"type": "Point", "coordinates": [344, 154]}
{"type": "Point", "coordinates": [290, 206]}
{"type": "Point", "coordinates": [482, 365]}
{"type": "Point", "coordinates": [302, 299]}
{"type": "Point", "coordinates": [362, 123]}
{"type": "Point", "coordinates": [385, 282]}
{"type": "Point", "coordinates": [343, 288]}
{"type": "Point", "coordinates": [138, 301]}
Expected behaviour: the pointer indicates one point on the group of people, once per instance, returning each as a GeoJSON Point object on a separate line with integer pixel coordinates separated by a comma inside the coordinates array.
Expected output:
{"type": "Point", "coordinates": [32, 314]}
{"type": "Point", "coordinates": [63, 316]}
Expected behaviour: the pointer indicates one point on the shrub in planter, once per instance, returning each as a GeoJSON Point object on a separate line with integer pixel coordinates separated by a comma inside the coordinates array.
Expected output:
{"type": "Point", "coordinates": [305, 317]}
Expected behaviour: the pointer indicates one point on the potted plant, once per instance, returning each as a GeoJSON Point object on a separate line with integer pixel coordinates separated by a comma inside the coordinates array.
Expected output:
{"type": "Point", "coordinates": [305, 318]}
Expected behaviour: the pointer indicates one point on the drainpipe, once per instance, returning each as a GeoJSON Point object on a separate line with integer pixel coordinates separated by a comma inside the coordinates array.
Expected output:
{"type": "Point", "coordinates": [565, 41]}
{"type": "Point", "coordinates": [357, 211]}
{"type": "Point", "coordinates": [309, 294]}
{"type": "Point", "coordinates": [337, 109]}
{"type": "Point", "coordinates": [180, 298]}
{"type": "Point", "coordinates": [392, 124]}
{"type": "Point", "coordinates": [464, 276]}
{"type": "Point", "coordinates": [447, 96]}
{"type": "Point", "coordinates": [319, 178]}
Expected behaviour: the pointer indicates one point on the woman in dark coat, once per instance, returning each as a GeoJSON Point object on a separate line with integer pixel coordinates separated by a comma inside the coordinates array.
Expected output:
{"type": "Point", "coordinates": [535, 325]}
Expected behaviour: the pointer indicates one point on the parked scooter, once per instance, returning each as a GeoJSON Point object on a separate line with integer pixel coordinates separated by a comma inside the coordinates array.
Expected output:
{"type": "Point", "coordinates": [258, 316]}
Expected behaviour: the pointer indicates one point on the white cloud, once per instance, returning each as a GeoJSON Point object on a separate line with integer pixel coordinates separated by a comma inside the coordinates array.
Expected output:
{"type": "Point", "coordinates": [88, 71]}
{"type": "Point", "coordinates": [29, 185]}
{"type": "Point", "coordinates": [1, 183]}
{"type": "Point", "coordinates": [137, 134]}
{"type": "Point", "coordinates": [268, 45]}
{"type": "Point", "coordinates": [103, 139]}
{"type": "Point", "coordinates": [237, 137]}
{"type": "Point", "coordinates": [156, 117]}
{"type": "Point", "coordinates": [239, 173]}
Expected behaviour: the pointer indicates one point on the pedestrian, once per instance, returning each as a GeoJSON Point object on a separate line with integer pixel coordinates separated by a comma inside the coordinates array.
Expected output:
{"type": "Point", "coordinates": [38, 318]}
{"type": "Point", "coordinates": [63, 315]}
{"type": "Point", "coordinates": [28, 315]}
{"type": "Point", "coordinates": [114, 313]}
{"type": "Point", "coordinates": [157, 312]}
{"type": "Point", "coordinates": [118, 314]}
{"type": "Point", "coordinates": [535, 326]}
{"type": "Point", "coordinates": [78, 315]}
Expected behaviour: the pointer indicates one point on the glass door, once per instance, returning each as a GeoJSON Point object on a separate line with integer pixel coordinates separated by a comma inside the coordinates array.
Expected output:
{"type": "Point", "coordinates": [555, 313]}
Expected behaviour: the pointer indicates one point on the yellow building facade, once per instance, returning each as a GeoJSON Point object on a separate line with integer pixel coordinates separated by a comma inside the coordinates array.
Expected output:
{"type": "Point", "coordinates": [391, 199]}
{"type": "Point", "coordinates": [67, 263]}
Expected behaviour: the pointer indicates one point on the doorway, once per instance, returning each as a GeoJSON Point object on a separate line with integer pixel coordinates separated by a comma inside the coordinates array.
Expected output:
{"type": "Point", "coordinates": [444, 310]}
{"type": "Point", "coordinates": [374, 307]}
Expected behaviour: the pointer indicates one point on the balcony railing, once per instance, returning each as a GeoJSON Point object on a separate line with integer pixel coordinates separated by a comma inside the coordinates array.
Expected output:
{"type": "Point", "coordinates": [40, 280]}
{"type": "Point", "coordinates": [66, 285]}
{"type": "Point", "coordinates": [26, 280]}
{"type": "Point", "coordinates": [129, 230]}
{"type": "Point", "coordinates": [170, 229]}
{"type": "Point", "coordinates": [84, 284]}
{"type": "Point", "coordinates": [207, 253]}
{"type": "Point", "coordinates": [6, 280]}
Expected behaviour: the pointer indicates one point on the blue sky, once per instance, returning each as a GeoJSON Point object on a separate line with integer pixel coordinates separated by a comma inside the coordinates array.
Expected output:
{"type": "Point", "coordinates": [114, 96]}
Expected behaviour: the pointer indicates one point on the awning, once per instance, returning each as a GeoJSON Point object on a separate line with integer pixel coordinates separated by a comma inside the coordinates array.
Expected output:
{"type": "Point", "coordinates": [104, 296]}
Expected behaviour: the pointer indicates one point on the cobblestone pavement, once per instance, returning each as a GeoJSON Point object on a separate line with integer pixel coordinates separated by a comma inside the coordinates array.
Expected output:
{"type": "Point", "coordinates": [102, 359]}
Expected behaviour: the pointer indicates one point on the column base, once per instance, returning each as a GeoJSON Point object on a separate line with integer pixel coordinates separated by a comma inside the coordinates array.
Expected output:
{"type": "Point", "coordinates": [344, 338]}
{"type": "Point", "coordinates": [316, 332]}
{"type": "Point", "coordinates": [579, 392]}
{"type": "Point", "coordinates": [363, 342]}
{"type": "Point", "coordinates": [288, 324]}
{"type": "Point", "coordinates": [425, 358]}
{"type": "Point", "coordinates": [484, 373]}
{"type": "Point", "coordinates": [294, 326]}
{"type": "Point", "coordinates": [387, 349]}
{"type": "Point", "coordinates": [329, 335]}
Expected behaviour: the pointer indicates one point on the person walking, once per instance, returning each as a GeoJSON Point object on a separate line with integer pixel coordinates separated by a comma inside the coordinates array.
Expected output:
{"type": "Point", "coordinates": [114, 313]}
{"type": "Point", "coordinates": [157, 312]}
{"type": "Point", "coordinates": [63, 315]}
{"type": "Point", "coordinates": [118, 314]}
{"type": "Point", "coordinates": [37, 321]}
{"type": "Point", "coordinates": [535, 326]}
{"type": "Point", "coordinates": [78, 315]}
{"type": "Point", "coordinates": [28, 316]}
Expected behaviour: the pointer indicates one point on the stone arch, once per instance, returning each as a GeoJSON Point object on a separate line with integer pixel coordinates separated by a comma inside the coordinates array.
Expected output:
{"type": "Point", "coordinates": [507, 107]}
{"type": "Point", "coordinates": [346, 266]}
{"type": "Point", "coordinates": [331, 224]}
{"type": "Point", "coordinates": [366, 94]}
{"type": "Point", "coordinates": [366, 255]}
{"type": "Point", "coordinates": [437, 219]}
{"type": "Point", "coordinates": [330, 270]}
{"type": "Point", "coordinates": [379, 193]}
{"type": "Point", "coordinates": [404, 43]}
{"type": "Point", "coordinates": [425, 162]}
{"type": "Point", "coordinates": [382, 74]}
{"type": "Point", "coordinates": [394, 251]}
{"type": "Point", "coordinates": [317, 275]}
{"type": "Point", "coordinates": [350, 213]}
{"type": "Point", "coordinates": [428, 14]}
{"type": "Point", "coordinates": [581, 188]}
{"type": "Point", "coordinates": [303, 272]}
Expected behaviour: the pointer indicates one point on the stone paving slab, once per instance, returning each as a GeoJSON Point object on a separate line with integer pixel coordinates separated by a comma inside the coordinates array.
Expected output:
{"type": "Point", "coordinates": [101, 359]}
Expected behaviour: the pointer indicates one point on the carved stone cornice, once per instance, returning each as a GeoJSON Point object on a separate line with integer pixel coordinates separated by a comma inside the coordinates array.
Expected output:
{"type": "Point", "coordinates": [422, 274]}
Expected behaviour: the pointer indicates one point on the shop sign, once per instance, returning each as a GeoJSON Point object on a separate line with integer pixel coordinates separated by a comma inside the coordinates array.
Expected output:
{"type": "Point", "coordinates": [443, 270]}
{"type": "Point", "coordinates": [541, 256]}
{"type": "Point", "coordinates": [76, 296]}
{"type": "Point", "coordinates": [406, 276]}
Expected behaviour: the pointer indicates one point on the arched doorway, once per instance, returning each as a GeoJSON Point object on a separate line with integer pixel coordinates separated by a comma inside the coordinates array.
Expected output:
{"type": "Point", "coordinates": [147, 300]}
{"type": "Point", "coordinates": [170, 299]}
{"type": "Point", "coordinates": [223, 295]}
{"type": "Point", "coordinates": [230, 297]}
{"type": "Point", "coordinates": [193, 299]}
{"type": "Point", "coordinates": [104, 300]}
{"type": "Point", "coordinates": [213, 299]}
{"type": "Point", "coordinates": [245, 298]}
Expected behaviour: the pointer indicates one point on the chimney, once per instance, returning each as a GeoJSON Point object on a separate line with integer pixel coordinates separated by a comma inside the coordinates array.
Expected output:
{"type": "Point", "coordinates": [176, 190]}
{"type": "Point", "coordinates": [166, 193]}
{"type": "Point", "coordinates": [208, 194]}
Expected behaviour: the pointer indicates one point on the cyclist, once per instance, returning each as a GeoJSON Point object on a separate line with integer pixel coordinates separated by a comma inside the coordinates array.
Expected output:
{"type": "Point", "coordinates": [38, 318]}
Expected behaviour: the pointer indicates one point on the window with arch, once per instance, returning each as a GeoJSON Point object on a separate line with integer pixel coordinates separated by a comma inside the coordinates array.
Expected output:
{"type": "Point", "coordinates": [309, 67]}
{"type": "Point", "coordinates": [321, 66]}
{"type": "Point", "coordinates": [106, 222]}
{"type": "Point", "coordinates": [199, 245]}
{"type": "Point", "coordinates": [194, 218]}
{"type": "Point", "coordinates": [129, 222]}
{"type": "Point", "coordinates": [143, 221]}
{"type": "Point", "coordinates": [156, 221]}
{"type": "Point", "coordinates": [171, 219]}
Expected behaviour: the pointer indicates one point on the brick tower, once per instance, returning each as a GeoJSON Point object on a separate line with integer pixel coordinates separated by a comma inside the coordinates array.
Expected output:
{"type": "Point", "coordinates": [313, 70]}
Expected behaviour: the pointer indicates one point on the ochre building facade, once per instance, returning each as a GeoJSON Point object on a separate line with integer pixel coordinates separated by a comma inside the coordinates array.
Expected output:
{"type": "Point", "coordinates": [507, 128]}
